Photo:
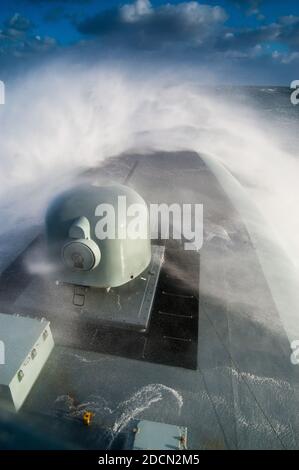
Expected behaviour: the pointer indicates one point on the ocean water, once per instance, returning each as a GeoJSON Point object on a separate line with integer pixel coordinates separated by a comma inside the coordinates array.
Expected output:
{"type": "Point", "coordinates": [61, 118]}
{"type": "Point", "coordinates": [275, 107]}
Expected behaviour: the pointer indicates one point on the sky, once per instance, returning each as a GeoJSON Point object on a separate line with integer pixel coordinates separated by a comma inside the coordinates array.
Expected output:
{"type": "Point", "coordinates": [253, 41]}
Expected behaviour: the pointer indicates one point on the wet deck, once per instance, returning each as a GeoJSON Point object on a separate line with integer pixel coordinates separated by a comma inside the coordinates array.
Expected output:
{"type": "Point", "coordinates": [244, 391]}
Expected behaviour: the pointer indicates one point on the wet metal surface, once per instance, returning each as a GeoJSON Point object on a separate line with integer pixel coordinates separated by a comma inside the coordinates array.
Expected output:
{"type": "Point", "coordinates": [244, 392]}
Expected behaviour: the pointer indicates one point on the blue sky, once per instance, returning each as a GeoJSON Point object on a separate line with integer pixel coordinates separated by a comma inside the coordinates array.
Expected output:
{"type": "Point", "coordinates": [260, 37]}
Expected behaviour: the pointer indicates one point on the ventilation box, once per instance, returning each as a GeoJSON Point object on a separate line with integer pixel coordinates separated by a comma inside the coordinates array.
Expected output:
{"type": "Point", "coordinates": [25, 345]}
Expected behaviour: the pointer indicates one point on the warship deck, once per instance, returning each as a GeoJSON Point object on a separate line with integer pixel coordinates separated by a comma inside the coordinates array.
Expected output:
{"type": "Point", "coordinates": [231, 382]}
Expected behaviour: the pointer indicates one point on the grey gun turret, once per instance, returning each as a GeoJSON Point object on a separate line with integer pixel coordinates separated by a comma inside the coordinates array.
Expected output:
{"type": "Point", "coordinates": [80, 256]}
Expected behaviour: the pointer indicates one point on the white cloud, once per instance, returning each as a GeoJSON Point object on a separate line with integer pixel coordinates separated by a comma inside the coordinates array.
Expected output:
{"type": "Point", "coordinates": [139, 22]}
{"type": "Point", "coordinates": [133, 12]}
